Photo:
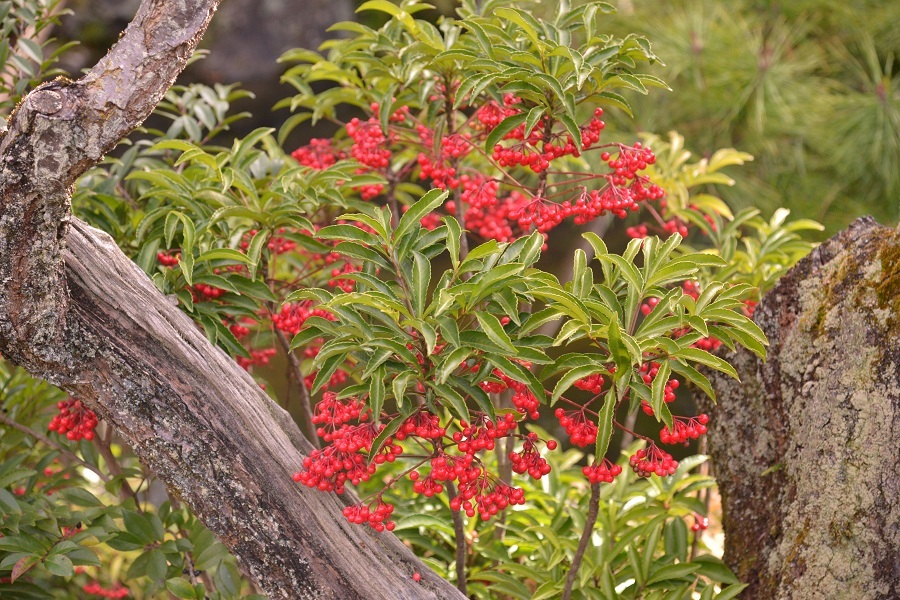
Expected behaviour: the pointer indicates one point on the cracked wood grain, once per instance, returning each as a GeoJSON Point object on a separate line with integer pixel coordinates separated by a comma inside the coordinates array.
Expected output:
{"type": "Point", "coordinates": [76, 312]}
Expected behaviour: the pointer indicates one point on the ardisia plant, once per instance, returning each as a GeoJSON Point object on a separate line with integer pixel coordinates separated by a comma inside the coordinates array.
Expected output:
{"type": "Point", "coordinates": [432, 355]}
{"type": "Point", "coordinates": [383, 285]}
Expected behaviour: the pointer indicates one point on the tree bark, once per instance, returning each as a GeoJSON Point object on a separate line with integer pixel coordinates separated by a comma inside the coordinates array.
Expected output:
{"type": "Point", "coordinates": [806, 446]}
{"type": "Point", "coordinates": [75, 311]}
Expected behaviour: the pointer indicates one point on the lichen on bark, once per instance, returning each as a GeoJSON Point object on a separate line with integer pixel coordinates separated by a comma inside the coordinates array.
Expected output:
{"type": "Point", "coordinates": [806, 444]}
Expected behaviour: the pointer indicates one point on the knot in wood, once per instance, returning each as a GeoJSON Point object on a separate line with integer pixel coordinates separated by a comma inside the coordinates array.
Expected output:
{"type": "Point", "coordinates": [46, 102]}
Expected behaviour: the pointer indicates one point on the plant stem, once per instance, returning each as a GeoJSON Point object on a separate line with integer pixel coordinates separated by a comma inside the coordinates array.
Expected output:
{"type": "Point", "coordinates": [105, 447]}
{"type": "Point", "coordinates": [305, 400]}
{"type": "Point", "coordinates": [593, 508]}
{"type": "Point", "coordinates": [459, 533]}
{"type": "Point", "coordinates": [628, 433]}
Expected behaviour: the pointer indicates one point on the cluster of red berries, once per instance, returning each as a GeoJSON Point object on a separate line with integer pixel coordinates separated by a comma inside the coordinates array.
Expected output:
{"type": "Point", "coordinates": [601, 472]}
{"type": "Point", "coordinates": [292, 316]}
{"type": "Point", "coordinates": [480, 492]}
{"type": "Point", "coordinates": [439, 167]}
{"type": "Point", "coordinates": [652, 460]}
{"type": "Point", "coordinates": [319, 154]}
{"type": "Point", "coordinates": [258, 357]}
{"type": "Point", "coordinates": [481, 433]}
{"type": "Point", "coordinates": [95, 589]}
{"type": "Point", "coordinates": [168, 260]}
{"type": "Point", "coordinates": [490, 114]}
{"type": "Point", "coordinates": [581, 430]}
{"type": "Point", "coordinates": [428, 487]}
{"type": "Point", "coordinates": [684, 429]}
{"type": "Point", "coordinates": [329, 469]}
{"type": "Point", "coordinates": [376, 515]}
{"type": "Point", "coordinates": [333, 413]}
{"type": "Point", "coordinates": [75, 420]}
{"type": "Point", "coordinates": [541, 147]}
{"type": "Point", "coordinates": [529, 460]}
{"type": "Point", "coordinates": [421, 424]}
{"type": "Point", "coordinates": [524, 401]}
{"type": "Point", "coordinates": [700, 523]}
{"type": "Point", "coordinates": [338, 279]}
{"type": "Point", "coordinates": [369, 143]}
{"type": "Point", "coordinates": [201, 291]}
{"type": "Point", "coordinates": [591, 383]}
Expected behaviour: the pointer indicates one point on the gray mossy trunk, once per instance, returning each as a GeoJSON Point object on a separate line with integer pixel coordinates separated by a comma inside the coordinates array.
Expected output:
{"type": "Point", "coordinates": [75, 311]}
{"type": "Point", "coordinates": [806, 446]}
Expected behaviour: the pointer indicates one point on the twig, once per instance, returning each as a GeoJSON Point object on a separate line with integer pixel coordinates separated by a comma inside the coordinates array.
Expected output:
{"type": "Point", "coordinates": [459, 533]}
{"type": "Point", "coordinates": [305, 400]}
{"type": "Point", "coordinates": [583, 542]}
{"type": "Point", "coordinates": [115, 469]}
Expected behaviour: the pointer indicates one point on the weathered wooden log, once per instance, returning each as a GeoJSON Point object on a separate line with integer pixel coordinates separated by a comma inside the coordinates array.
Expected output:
{"type": "Point", "coordinates": [76, 312]}
{"type": "Point", "coordinates": [807, 446]}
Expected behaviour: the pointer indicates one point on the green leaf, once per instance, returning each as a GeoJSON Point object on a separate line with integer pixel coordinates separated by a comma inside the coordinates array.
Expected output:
{"type": "Point", "coordinates": [731, 591]}
{"type": "Point", "coordinates": [254, 251]}
{"type": "Point", "coordinates": [141, 527]}
{"type": "Point", "coordinates": [454, 400]}
{"type": "Point", "coordinates": [180, 588]}
{"type": "Point", "coordinates": [60, 564]}
{"type": "Point", "coordinates": [505, 126]}
{"type": "Point", "coordinates": [494, 330]}
{"type": "Point", "coordinates": [694, 376]}
{"type": "Point", "coordinates": [705, 358]}
{"type": "Point", "coordinates": [454, 235]}
{"type": "Point", "coordinates": [605, 425]}
{"type": "Point", "coordinates": [657, 398]}
{"type": "Point", "coordinates": [428, 203]}
{"type": "Point", "coordinates": [569, 379]}
{"type": "Point", "coordinates": [451, 363]}
{"type": "Point", "coordinates": [672, 572]}
{"type": "Point", "coordinates": [349, 233]}
{"type": "Point", "coordinates": [715, 569]}
{"type": "Point", "coordinates": [376, 393]}
{"type": "Point", "coordinates": [420, 282]}
{"type": "Point", "coordinates": [416, 521]}
{"type": "Point", "coordinates": [223, 254]}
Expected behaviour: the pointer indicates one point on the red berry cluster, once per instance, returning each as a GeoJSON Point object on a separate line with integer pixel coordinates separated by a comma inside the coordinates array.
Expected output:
{"type": "Point", "coordinates": [168, 260]}
{"type": "Point", "coordinates": [529, 460]}
{"type": "Point", "coordinates": [480, 491]}
{"type": "Point", "coordinates": [75, 420]}
{"type": "Point", "coordinates": [582, 431]}
{"type": "Point", "coordinates": [421, 424]}
{"type": "Point", "coordinates": [319, 154]}
{"type": "Point", "coordinates": [334, 414]}
{"type": "Point", "coordinates": [684, 429]}
{"type": "Point", "coordinates": [481, 433]}
{"type": "Point", "coordinates": [602, 472]}
{"type": "Point", "coordinates": [369, 143]}
{"type": "Point", "coordinates": [490, 114]}
{"type": "Point", "coordinates": [652, 460]}
{"type": "Point", "coordinates": [591, 383]}
{"type": "Point", "coordinates": [258, 357]}
{"type": "Point", "coordinates": [700, 523]}
{"type": "Point", "coordinates": [95, 589]}
{"type": "Point", "coordinates": [206, 292]}
{"type": "Point", "coordinates": [376, 515]}
{"type": "Point", "coordinates": [293, 315]}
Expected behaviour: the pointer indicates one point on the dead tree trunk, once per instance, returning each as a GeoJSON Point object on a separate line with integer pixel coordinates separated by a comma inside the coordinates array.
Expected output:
{"type": "Point", "coordinates": [806, 446]}
{"type": "Point", "coordinates": [75, 311]}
